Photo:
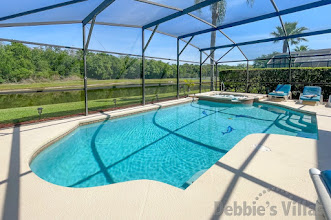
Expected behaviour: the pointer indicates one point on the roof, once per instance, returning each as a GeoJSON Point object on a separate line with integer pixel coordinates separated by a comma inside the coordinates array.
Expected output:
{"type": "Point", "coordinates": [322, 55]}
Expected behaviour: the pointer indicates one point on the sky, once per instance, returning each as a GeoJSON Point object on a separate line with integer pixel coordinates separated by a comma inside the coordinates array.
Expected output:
{"type": "Point", "coordinates": [128, 40]}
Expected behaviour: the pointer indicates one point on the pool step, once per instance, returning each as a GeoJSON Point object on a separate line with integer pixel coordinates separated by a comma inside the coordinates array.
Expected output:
{"type": "Point", "coordinates": [295, 123]}
{"type": "Point", "coordinates": [194, 178]}
{"type": "Point", "coordinates": [283, 125]}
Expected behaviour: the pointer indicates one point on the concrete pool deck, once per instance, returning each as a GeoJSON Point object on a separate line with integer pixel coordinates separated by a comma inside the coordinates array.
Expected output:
{"type": "Point", "coordinates": [261, 170]}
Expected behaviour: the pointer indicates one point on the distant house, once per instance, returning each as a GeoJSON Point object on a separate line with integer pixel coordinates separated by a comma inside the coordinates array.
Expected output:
{"type": "Point", "coordinates": [310, 58]}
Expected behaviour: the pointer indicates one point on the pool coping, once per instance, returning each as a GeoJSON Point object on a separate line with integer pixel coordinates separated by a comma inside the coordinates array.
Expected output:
{"type": "Point", "coordinates": [151, 199]}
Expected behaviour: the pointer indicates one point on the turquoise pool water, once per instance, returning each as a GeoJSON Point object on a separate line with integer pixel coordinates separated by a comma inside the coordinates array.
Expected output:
{"type": "Point", "coordinates": [173, 145]}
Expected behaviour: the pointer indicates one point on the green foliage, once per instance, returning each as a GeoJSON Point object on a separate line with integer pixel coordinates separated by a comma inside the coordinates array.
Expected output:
{"type": "Point", "coordinates": [189, 83]}
{"type": "Point", "coordinates": [226, 67]}
{"type": "Point", "coordinates": [263, 60]}
{"type": "Point", "coordinates": [291, 28]}
{"type": "Point", "coordinates": [20, 63]}
{"type": "Point", "coordinates": [301, 48]}
{"type": "Point", "coordinates": [266, 80]}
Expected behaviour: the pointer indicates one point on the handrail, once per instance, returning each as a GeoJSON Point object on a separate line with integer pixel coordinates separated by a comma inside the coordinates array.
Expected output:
{"type": "Point", "coordinates": [222, 86]}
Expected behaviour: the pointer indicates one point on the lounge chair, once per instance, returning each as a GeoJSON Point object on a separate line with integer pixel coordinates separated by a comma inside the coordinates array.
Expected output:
{"type": "Point", "coordinates": [311, 95]}
{"type": "Point", "coordinates": [322, 183]}
{"type": "Point", "coordinates": [282, 91]}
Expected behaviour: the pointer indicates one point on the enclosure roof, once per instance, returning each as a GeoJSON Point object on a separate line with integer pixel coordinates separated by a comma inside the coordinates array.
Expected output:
{"type": "Point", "coordinates": [181, 19]}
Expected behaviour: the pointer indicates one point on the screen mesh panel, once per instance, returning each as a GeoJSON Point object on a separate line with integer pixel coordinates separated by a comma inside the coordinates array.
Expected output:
{"type": "Point", "coordinates": [19, 6]}
{"type": "Point", "coordinates": [132, 12]}
{"type": "Point", "coordinates": [233, 11]}
{"type": "Point", "coordinates": [74, 12]}
{"type": "Point", "coordinates": [281, 4]}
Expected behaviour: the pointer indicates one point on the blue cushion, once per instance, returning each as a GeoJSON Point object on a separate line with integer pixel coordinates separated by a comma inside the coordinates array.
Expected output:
{"type": "Point", "coordinates": [326, 176]}
{"type": "Point", "coordinates": [283, 88]}
{"type": "Point", "coordinates": [278, 94]}
{"type": "Point", "coordinates": [312, 90]}
{"type": "Point", "coordinates": [315, 99]}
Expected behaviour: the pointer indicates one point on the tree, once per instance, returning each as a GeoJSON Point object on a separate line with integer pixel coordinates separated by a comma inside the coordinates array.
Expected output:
{"type": "Point", "coordinates": [262, 61]}
{"type": "Point", "coordinates": [291, 29]}
{"type": "Point", "coordinates": [218, 12]}
{"type": "Point", "coordinates": [301, 48]}
{"type": "Point", "coordinates": [189, 83]}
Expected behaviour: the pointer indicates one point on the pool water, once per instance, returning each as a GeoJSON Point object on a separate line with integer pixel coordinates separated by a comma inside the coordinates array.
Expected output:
{"type": "Point", "coordinates": [173, 145]}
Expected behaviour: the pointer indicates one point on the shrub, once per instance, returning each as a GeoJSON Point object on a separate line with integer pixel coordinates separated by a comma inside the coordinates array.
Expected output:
{"type": "Point", "coordinates": [266, 80]}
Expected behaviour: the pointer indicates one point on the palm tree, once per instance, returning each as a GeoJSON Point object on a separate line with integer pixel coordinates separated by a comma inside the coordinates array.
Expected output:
{"type": "Point", "coordinates": [291, 29]}
{"type": "Point", "coordinates": [301, 48]}
{"type": "Point", "coordinates": [218, 12]}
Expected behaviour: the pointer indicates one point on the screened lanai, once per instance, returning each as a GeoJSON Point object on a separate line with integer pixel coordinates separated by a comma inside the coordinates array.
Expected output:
{"type": "Point", "coordinates": [133, 52]}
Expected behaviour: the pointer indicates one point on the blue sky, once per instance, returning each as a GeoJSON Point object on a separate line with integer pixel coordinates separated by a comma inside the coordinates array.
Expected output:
{"type": "Point", "coordinates": [128, 40]}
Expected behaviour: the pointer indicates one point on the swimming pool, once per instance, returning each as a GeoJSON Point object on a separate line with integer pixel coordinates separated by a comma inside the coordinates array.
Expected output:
{"type": "Point", "coordinates": [174, 145]}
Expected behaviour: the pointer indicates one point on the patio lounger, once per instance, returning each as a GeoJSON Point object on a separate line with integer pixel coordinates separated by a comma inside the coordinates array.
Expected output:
{"type": "Point", "coordinates": [322, 183]}
{"type": "Point", "coordinates": [312, 94]}
{"type": "Point", "coordinates": [282, 91]}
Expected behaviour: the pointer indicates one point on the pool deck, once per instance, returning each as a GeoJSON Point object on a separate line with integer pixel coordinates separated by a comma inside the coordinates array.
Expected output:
{"type": "Point", "coordinates": [261, 170]}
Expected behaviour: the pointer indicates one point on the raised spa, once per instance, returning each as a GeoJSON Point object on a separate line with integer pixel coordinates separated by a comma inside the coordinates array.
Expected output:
{"type": "Point", "coordinates": [174, 145]}
{"type": "Point", "coordinates": [228, 98]}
